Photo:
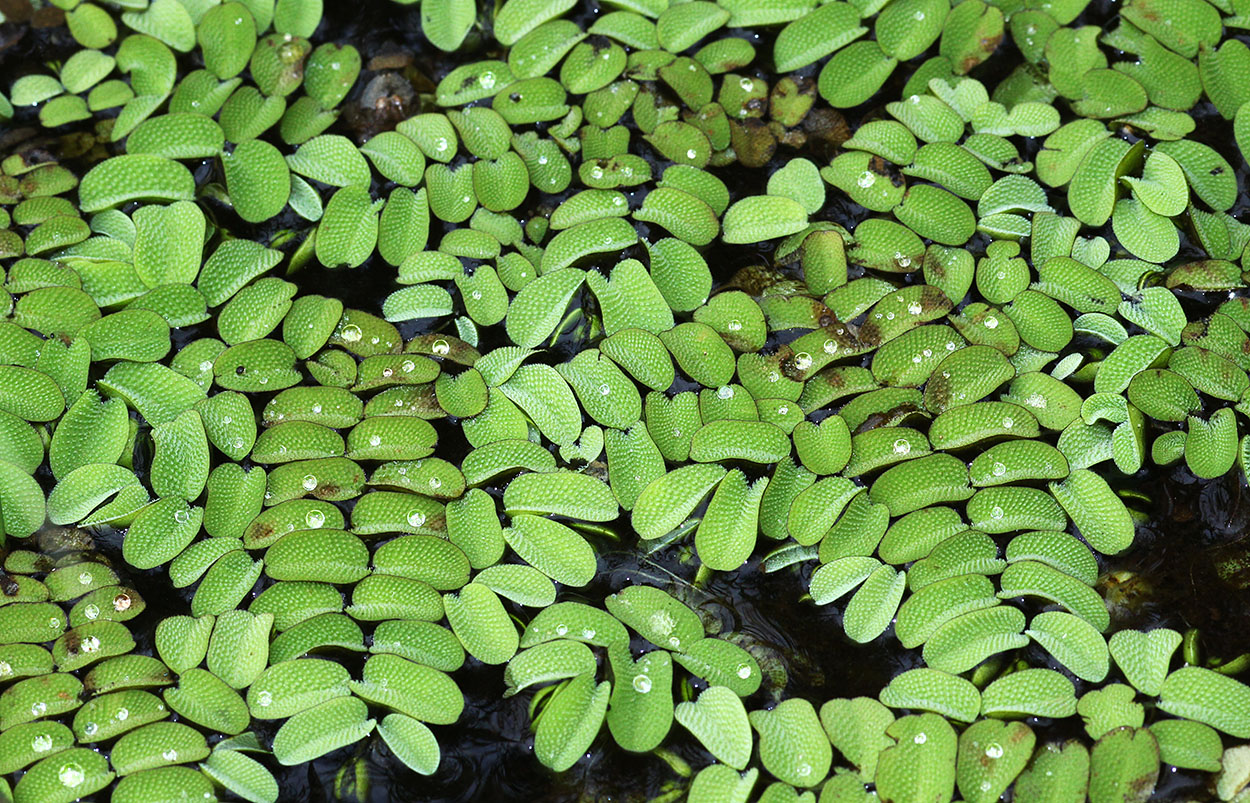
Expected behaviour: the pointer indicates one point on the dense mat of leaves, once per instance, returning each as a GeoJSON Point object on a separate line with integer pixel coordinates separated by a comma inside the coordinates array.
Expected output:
{"type": "Point", "coordinates": [966, 318]}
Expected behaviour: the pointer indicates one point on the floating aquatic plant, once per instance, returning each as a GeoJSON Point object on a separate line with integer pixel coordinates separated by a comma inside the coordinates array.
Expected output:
{"type": "Point", "coordinates": [924, 413]}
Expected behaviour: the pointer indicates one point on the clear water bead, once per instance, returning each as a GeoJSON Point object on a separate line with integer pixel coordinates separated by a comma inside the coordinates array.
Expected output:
{"type": "Point", "coordinates": [310, 482]}
{"type": "Point", "coordinates": [642, 684]}
{"type": "Point", "coordinates": [71, 775]}
{"type": "Point", "coordinates": [416, 518]}
{"type": "Point", "coordinates": [994, 750]}
{"type": "Point", "coordinates": [315, 518]}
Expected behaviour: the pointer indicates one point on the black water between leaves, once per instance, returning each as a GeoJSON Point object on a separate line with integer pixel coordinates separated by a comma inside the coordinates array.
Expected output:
{"type": "Point", "coordinates": [1189, 566]}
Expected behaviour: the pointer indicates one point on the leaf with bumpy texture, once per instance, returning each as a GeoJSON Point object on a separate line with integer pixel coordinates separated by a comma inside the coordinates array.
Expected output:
{"type": "Point", "coordinates": [720, 723]}
{"type": "Point", "coordinates": [1073, 642]}
{"type": "Point", "coordinates": [1188, 744]}
{"type": "Point", "coordinates": [726, 536]}
{"type": "Point", "coordinates": [21, 499]}
{"type": "Point", "coordinates": [1099, 515]}
{"type": "Point", "coordinates": [1200, 694]}
{"type": "Point", "coordinates": [244, 776]}
{"type": "Point", "coordinates": [562, 493]}
{"type": "Point", "coordinates": [1143, 657]}
{"type": "Point", "coordinates": [120, 179]}
{"type": "Point", "coordinates": [793, 746]}
{"type": "Point", "coordinates": [64, 777]}
{"type": "Point", "coordinates": [349, 228]}
{"type": "Point", "coordinates": [538, 308]}
{"type": "Point", "coordinates": [317, 731]}
{"type": "Point", "coordinates": [668, 500]}
{"type": "Point", "coordinates": [570, 721]}
{"type": "Point", "coordinates": [258, 180]}
{"type": "Point", "coordinates": [872, 608]}
{"type": "Point", "coordinates": [1030, 692]}
{"type": "Point", "coordinates": [991, 755]}
{"type": "Point", "coordinates": [763, 217]}
{"type": "Point", "coordinates": [927, 689]}
{"type": "Point", "coordinates": [921, 766]}
{"type": "Point", "coordinates": [412, 742]}
{"type": "Point", "coordinates": [1124, 766]}
{"type": "Point", "coordinates": [656, 616]}
{"type": "Point", "coordinates": [446, 24]}
{"type": "Point", "coordinates": [641, 705]}
{"type": "Point", "coordinates": [479, 620]}
{"type": "Point", "coordinates": [1059, 773]}
{"type": "Point", "coordinates": [419, 691]}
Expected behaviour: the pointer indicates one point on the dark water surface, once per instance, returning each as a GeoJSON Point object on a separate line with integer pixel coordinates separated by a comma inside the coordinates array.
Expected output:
{"type": "Point", "coordinates": [1189, 568]}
